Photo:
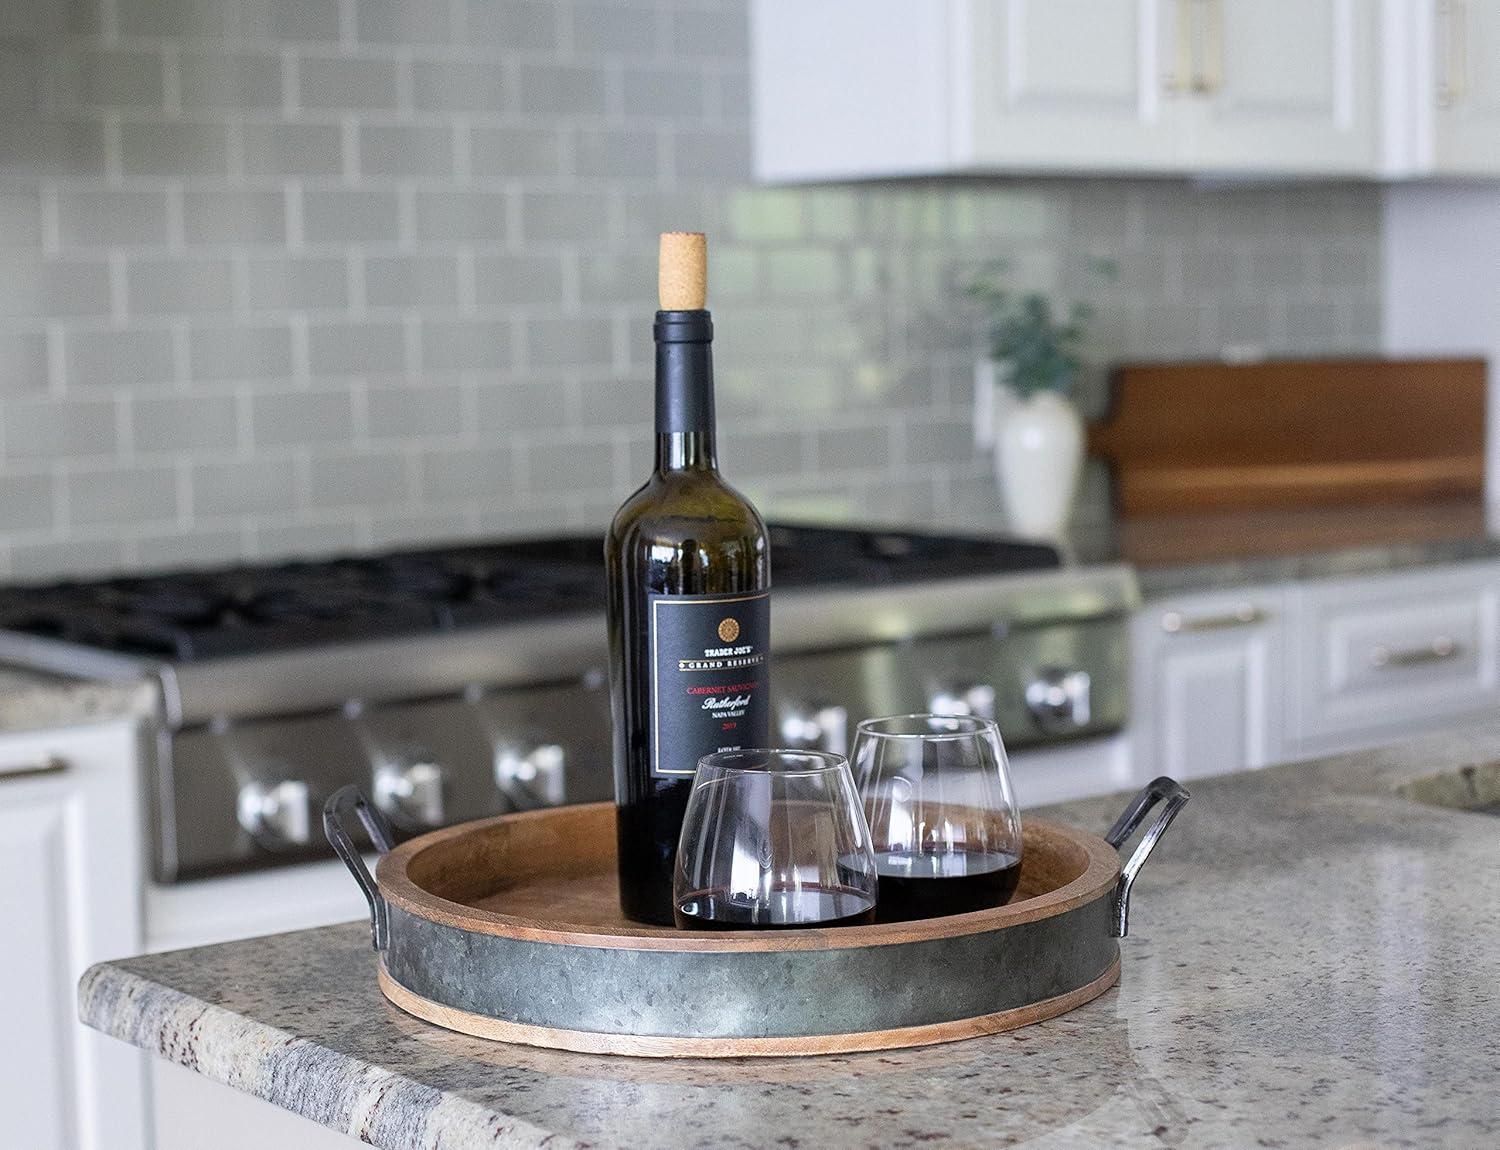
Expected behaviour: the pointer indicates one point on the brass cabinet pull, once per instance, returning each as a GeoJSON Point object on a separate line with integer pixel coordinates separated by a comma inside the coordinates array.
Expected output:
{"type": "Point", "coordinates": [1244, 615]}
{"type": "Point", "coordinates": [47, 765]}
{"type": "Point", "coordinates": [1182, 74]}
{"type": "Point", "coordinates": [1442, 43]}
{"type": "Point", "coordinates": [1460, 49]}
{"type": "Point", "coordinates": [1441, 650]}
{"type": "Point", "coordinates": [1452, 36]}
{"type": "Point", "coordinates": [1209, 78]}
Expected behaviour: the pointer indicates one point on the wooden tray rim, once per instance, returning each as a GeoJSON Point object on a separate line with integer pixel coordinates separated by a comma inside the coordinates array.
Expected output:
{"type": "Point", "coordinates": [1099, 877]}
{"type": "Point", "coordinates": [673, 1046]}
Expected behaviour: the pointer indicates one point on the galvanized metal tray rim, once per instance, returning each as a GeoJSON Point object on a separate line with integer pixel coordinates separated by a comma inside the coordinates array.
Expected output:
{"type": "Point", "coordinates": [1100, 875]}
{"type": "Point", "coordinates": [752, 1046]}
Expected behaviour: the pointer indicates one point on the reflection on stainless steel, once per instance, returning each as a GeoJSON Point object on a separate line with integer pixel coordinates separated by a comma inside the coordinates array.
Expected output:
{"type": "Point", "coordinates": [817, 728]}
{"type": "Point", "coordinates": [534, 778]}
{"type": "Point", "coordinates": [276, 816]}
{"type": "Point", "coordinates": [455, 684]}
{"type": "Point", "coordinates": [413, 793]}
{"type": "Point", "coordinates": [976, 699]}
{"type": "Point", "coordinates": [1060, 699]}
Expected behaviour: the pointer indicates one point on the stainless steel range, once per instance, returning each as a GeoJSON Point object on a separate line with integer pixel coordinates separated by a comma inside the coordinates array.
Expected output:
{"type": "Point", "coordinates": [461, 682]}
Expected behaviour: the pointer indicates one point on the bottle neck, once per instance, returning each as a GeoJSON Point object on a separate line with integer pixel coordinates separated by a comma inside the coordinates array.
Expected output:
{"type": "Point", "coordinates": [685, 392]}
{"type": "Point", "coordinates": [686, 451]}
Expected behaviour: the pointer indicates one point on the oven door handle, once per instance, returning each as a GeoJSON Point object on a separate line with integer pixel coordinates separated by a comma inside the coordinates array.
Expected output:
{"type": "Point", "coordinates": [335, 811]}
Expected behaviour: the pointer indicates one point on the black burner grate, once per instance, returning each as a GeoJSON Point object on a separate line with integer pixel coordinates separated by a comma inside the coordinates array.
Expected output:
{"type": "Point", "coordinates": [238, 611]}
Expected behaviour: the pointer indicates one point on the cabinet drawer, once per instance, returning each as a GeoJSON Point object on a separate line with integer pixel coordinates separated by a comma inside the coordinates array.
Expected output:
{"type": "Point", "coordinates": [1376, 654]}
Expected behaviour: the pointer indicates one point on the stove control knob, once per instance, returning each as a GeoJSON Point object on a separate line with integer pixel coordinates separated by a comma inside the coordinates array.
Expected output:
{"type": "Point", "coordinates": [977, 699]}
{"type": "Point", "coordinates": [817, 728]}
{"type": "Point", "coordinates": [1059, 700]}
{"type": "Point", "coordinates": [277, 816]}
{"type": "Point", "coordinates": [411, 794]}
{"type": "Point", "coordinates": [532, 778]}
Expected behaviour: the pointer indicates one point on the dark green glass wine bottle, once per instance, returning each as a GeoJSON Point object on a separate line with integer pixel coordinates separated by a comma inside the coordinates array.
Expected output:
{"type": "Point", "coordinates": [689, 601]}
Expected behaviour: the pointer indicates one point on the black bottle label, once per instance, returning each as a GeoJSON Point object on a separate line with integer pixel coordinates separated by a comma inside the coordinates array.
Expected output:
{"type": "Point", "coordinates": [709, 677]}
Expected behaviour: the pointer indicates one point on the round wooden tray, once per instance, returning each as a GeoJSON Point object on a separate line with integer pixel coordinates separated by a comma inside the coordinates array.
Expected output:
{"type": "Point", "coordinates": [509, 928]}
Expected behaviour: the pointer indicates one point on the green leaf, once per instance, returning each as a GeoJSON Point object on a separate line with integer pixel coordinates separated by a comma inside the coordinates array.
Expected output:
{"type": "Point", "coordinates": [1039, 338]}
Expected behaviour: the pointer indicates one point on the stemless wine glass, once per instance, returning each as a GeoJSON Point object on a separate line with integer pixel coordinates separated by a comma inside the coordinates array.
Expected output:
{"type": "Point", "coordinates": [936, 792]}
{"type": "Point", "coordinates": [773, 838]}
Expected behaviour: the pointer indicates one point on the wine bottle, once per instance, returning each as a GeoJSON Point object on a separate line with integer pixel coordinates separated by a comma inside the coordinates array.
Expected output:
{"type": "Point", "coordinates": [689, 601]}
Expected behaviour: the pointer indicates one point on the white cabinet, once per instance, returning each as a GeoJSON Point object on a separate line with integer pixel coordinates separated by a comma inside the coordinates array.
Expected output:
{"type": "Point", "coordinates": [850, 88]}
{"type": "Point", "coordinates": [1284, 85]}
{"type": "Point", "coordinates": [1265, 674]}
{"type": "Point", "coordinates": [1465, 87]}
{"type": "Point", "coordinates": [1188, 86]}
{"type": "Point", "coordinates": [1071, 83]}
{"type": "Point", "coordinates": [70, 853]}
{"type": "Point", "coordinates": [1207, 684]}
{"type": "Point", "coordinates": [856, 89]}
{"type": "Point", "coordinates": [1379, 656]}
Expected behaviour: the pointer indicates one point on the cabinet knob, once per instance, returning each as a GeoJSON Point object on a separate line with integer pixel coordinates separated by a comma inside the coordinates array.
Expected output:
{"type": "Point", "coordinates": [276, 816]}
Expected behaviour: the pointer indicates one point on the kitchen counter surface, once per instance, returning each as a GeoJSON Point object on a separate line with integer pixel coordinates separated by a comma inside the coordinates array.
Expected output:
{"type": "Point", "coordinates": [33, 700]}
{"type": "Point", "coordinates": [1311, 962]}
{"type": "Point", "coordinates": [1182, 554]}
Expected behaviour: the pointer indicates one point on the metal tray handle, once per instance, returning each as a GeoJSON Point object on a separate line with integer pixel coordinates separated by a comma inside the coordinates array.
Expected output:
{"type": "Point", "coordinates": [1157, 790]}
{"type": "Point", "coordinates": [335, 812]}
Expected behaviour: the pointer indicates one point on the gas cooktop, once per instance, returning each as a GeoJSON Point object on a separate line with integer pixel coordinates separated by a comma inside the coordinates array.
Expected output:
{"type": "Point", "coordinates": [188, 616]}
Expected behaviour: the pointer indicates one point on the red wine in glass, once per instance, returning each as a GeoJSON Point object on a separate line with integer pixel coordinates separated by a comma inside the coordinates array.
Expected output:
{"type": "Point", "coordinates": [915, 885]}
{"type": "Point", "coordinates": [807, 906]}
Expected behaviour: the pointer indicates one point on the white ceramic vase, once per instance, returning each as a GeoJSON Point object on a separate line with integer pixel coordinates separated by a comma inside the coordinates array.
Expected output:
{"type": "Point", "coordinates": [1038, 459]}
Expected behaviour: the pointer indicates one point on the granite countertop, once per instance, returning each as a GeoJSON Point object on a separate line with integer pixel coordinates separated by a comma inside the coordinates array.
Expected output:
{"type": "Point", "coordinates": [34, 700]}
{"type": "Point", "coordinates": [1175, 554]}
{"type": "Point", "coordinates": [1312, 961]}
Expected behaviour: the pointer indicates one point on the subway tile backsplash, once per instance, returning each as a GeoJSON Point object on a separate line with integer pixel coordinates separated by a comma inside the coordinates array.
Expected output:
{"type": "Point", "coordinates": [292, 276]}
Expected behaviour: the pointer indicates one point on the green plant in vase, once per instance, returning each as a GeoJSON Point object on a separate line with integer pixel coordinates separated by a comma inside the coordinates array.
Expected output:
{"type": "Point", "coordinates": [1035, 347]}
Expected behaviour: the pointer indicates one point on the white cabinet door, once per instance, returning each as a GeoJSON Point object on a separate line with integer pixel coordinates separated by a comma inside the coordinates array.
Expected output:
{"type": "Point", "coordinates": [1003, 86]}
{"type": "Point", "coordinates": [1208, 684]}
{"type": "Point", "coordinates": [1283, 86]}
{"type": "Point", "coordinates": [70, 854]}
{"type": "Point", "coordinates": [1394, 653]}
{"type": "Point", "coordinates": [1054, 84]}
{"type": "Point", "coordinates": [1466, 87]}
{"type": "Point", "coordinates": [850, 88]}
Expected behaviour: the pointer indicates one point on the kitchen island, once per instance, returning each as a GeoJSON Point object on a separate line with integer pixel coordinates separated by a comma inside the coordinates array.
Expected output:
{"type": "Point", "coordinates": [1311, 962]}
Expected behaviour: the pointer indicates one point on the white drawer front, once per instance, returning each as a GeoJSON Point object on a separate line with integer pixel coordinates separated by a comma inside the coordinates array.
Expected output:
{"type": "Point", "coordinates": [1208, 684]}
{"type": "Point", "coordinates": [1372, 656]}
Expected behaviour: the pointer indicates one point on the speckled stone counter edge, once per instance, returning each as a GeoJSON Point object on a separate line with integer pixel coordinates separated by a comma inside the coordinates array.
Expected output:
{"type": "Point", "coordinates": [1159, 582]}
{"type": "Point", "coordinates": [30, 701]}
{"type": "Point", "coordinates": [1087, 545]}
{"type": "Point", "coordinates": [332, 1089]}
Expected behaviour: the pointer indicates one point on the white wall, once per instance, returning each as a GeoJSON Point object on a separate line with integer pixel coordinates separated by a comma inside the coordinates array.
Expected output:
{"type": "Point", "coordinates": [1441, 283]}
